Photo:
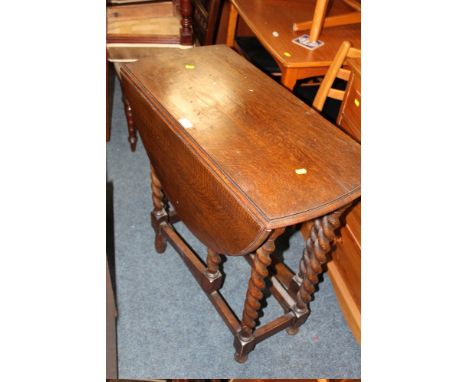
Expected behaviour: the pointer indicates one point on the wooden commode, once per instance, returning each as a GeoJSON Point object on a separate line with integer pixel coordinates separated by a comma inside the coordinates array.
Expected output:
{"type": "Point", "coordinates": [238, 158]}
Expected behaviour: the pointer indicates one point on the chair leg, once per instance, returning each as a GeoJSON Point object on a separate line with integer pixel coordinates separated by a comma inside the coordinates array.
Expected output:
{"type": "Point", "coordinates": [318, 246]}
{"type": "Point", "coordinates": [159, 214]}
{"type": "Point", "coordinates": [244, 341]}
{"type": "Point", "coordinates": [132, 138]}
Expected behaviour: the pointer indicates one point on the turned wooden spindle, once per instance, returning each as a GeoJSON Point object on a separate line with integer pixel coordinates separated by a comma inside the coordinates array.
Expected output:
{"type": "Point", "coordinates": [318, 245]}
{"type": "Point", "coordinates": [156, 192]}
{"type": "Point", "coordinates": [256, 285]}
{"type": "Point", "coordinates": [186, 32]}
{"type": "Point", "coordinates": [213, 260]}
{"type": "Point", "coordinates": [132, 138]}
{"type": "Point", "coordinates": [159, 213]}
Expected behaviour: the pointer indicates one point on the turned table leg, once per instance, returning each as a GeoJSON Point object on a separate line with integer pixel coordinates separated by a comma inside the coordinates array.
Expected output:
{"type": "Point", "coordinates": [214, 278]}
{"type": "Point", "coordinates": [318, 245]}
{"type": "Point", "coordinates": [213, 260]}
{"type": "Point", "coordinates": [244, 342]}
{"type": "Point", "coordinates": [159, 214]}
{"type": "Point", "coordinates": [132, 138]}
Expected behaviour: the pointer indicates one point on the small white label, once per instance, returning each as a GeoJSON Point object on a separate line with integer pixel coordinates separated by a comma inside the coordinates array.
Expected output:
{"type": "Point", "coordinates": [185, 123]}
{"type": "Point", "coordinates": [275, 33]}
{"type": "Point", "coordinates": [301, 171]}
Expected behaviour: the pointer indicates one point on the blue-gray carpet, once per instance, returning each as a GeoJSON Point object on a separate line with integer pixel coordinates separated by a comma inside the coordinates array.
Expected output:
{"type": "Point", "coordinates": [167, 327]}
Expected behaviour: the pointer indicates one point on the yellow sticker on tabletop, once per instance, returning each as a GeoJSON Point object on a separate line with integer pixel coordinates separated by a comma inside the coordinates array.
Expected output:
{"type": "Point", "coordinates": [189, 66]}
{"type": "Point", "coordinates": [287, 54]}
{"type": "Point", "coordinates": [356, 102]}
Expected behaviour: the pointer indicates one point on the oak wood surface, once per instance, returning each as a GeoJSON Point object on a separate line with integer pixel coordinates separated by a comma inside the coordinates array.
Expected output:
{"type": "Point", "coordinates": [348, 292]}
{"type": "Point", "coordinates": [202, 201]}
{"type": "Point", "coordinates": [266, 16]}
{"type": "Point", "coordinates": [167, 22]}
{"type": "Point", "coordinates": [252, 134]}
{"type": "Point", "coordinates": [143, 19]}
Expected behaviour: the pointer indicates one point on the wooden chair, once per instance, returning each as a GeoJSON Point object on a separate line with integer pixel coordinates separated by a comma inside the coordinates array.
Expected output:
{"type": "Point", "coordinates": [335, 71]}
{"type": "Point", "coordinates": [327, 95]}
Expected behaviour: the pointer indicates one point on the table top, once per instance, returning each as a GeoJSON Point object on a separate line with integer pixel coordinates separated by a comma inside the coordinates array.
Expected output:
{"type": "Point", "coordinates": [267, 16]}
{"type": "Point", "coordinates": [285, 161]}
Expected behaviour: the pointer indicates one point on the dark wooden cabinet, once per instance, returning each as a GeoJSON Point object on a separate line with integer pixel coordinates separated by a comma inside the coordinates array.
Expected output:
{"type": "Point", "coordinates": [206, 16]}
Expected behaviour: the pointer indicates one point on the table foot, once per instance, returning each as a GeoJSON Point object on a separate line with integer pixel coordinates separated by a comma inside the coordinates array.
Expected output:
{"type": "Point", "coordinates": [243, 347]}
{"type": "Point", "coordinates": [241, 359]}
{"type": "Point", "coordinates": [292, 331]}
{"type": "Point", "coordinates": [160, 243]}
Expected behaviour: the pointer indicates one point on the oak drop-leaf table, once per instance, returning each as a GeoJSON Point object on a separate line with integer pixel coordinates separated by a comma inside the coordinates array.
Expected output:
{"type": "Point", "coordinates": [238, 158]}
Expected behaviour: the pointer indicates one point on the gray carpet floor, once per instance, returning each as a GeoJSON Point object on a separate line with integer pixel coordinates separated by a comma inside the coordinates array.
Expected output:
{"type": "Point", "coordinates": [167, 327]}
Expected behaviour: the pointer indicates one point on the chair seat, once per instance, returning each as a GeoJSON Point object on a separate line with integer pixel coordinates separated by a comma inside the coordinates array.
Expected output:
{"type": "Point", "coordinates": [254, 51]}
{"type": "Point", "coordinates": [147, 20]}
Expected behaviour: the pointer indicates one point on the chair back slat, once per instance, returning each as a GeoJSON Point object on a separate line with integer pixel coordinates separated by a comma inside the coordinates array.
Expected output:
{"type": "Point", "coordinates": [335, 71]}
{"type": "Point", "coordinates": [343, 74]}
{"type": "Point", "coordinates": [336, 94]}
{"type": "Point", "coordinates": [330, 77]}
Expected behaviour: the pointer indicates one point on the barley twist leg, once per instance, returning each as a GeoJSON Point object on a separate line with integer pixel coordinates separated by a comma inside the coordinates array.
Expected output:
{"type": "Point", "coordinates": [159, 214]}
{"type": "Point", "coordinates": [318, 246]}
{"type": "Point", "coordinates": [254, 295]}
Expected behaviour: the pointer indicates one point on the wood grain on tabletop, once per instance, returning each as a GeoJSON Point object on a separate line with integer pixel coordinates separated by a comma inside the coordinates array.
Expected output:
{"type": "Point", "coordinates": [279, 159]}
{"type": "Point", "coordinates": [251, 128]}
